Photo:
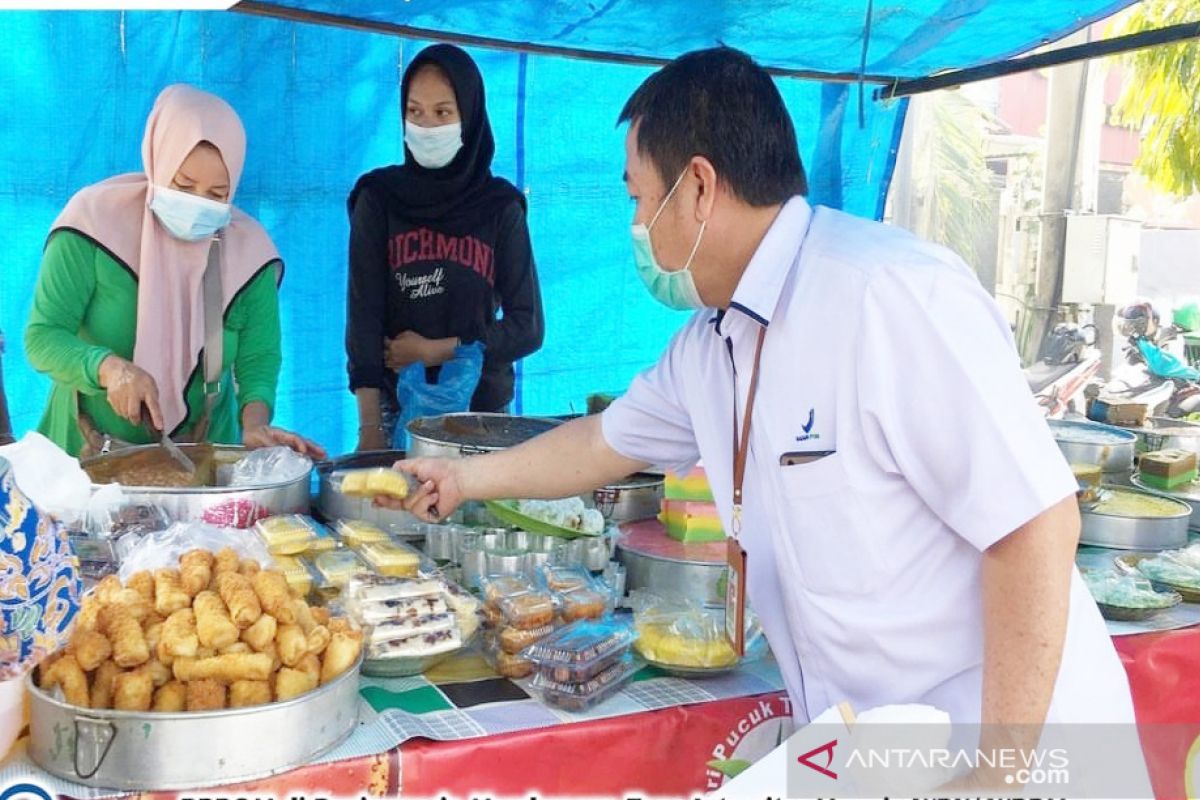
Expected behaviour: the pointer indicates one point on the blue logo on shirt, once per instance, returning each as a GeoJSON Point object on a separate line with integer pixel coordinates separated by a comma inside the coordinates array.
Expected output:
{"type": "Point", "coordinates": [808, 426]}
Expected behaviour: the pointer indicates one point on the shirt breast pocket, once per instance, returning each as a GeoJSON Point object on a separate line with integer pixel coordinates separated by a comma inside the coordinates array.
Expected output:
{"type": "Point", "coordinates": [828, 543]}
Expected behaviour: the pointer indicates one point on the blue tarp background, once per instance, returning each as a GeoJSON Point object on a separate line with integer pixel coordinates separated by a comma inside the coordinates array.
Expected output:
{"type": "Point", "coordinates": [321, 106]}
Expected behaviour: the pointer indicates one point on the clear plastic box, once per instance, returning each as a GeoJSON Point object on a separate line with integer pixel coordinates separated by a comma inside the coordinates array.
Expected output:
{"type": "Point", "coordinates": [288, 535]}
{"type": "Point", "coordinates": [582, 696]}
{"type": "Point", "coordinates": [355, 533]}
{"type": "Point", "coordinates": [391, 559]}
{"type": "Point", "coordinates": [581, 651]}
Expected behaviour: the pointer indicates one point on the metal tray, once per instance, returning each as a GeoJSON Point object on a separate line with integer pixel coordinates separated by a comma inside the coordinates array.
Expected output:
{"type": "Point", "coordinates": [1185, 494]}
{"type": "Point", "coordinates": [148, 751]}
{"type": "Point", "coordinates": [1135, 533]}
{"type": "Point", "coordinates": [1079, 444]}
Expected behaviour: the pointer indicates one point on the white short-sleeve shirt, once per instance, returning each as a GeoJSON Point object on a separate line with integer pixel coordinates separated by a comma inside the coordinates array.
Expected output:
{"type": "Point", "coordinates": [864, 565]}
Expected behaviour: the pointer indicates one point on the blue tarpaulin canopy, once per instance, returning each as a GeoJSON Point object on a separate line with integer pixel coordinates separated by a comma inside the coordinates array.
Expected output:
{"type": "Point", "coordinates": [318, 92]}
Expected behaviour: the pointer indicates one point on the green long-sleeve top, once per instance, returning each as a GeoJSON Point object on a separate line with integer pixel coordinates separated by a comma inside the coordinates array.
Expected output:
{"type": "Point", "coordinates": [85, 309]}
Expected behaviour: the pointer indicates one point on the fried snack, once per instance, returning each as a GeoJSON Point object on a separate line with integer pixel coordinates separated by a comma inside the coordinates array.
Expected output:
{"type": "Point", "coordinates": [273, 651]}
{"type": "Point", "coordinates": [205, 695]}
{"type": "Point", "coordinates": [102, 684]}
{"type": "Point", "coordinates": [304, 615]}
{"type": "Point", "coordinates": [213, 625]}
{"type": "Point", "coordinates": [261, 633]}
{"type": "Point", "coordinates": [107, 589]}
{"type": "Point", "coordinates": [169, 595]}
{"type": "Point", "coordinates": [87, 616]}
{"type": "Point", "coordinates": [273, 595]}
{"type": "Point", "coordinates": [195, 571]}
{"type": "Point", "coordinates": [226, 560]}
{"type": "Point", "coordinates": [238, 594]}
{"type": "Point", "coordinates": [292, 644]}
{"type": "Point", "coordinates": [235, 648]}
{"type": "Point", "coordinates": [205, 652]}
{"type": "Point", "coordinates": [321, 616]}
{"type": "Point", "coordinates": [143, 584]}
{"type": "Point", "coordinates": [249, 567]}
{"type": "Point", "coordinates": [133, 691]}
{"type": "Point", "coordinates": [129, 648]}
{"type": "Point", "coordinates": [341, 654]}
{"type": "Point", "coordinates": [225, 669]}
{"type": "Point", "coordinates": [132, 601]}
{"type": "Point", "coordinates": [249, 693]}
{"type": "Point", "coordinates": [318, 639]}
{"type": "Point", "coordinates": [179, 637]}
{"type": "Point", "coordinates": [153, 633]}
{"type": "Point", "coordinates": [311, 666]}
{"type": "Point", "coordinates": [291, 683]}
{"type": "Point", "coordinates": [66, 674]}
{"type": "Point", "coordinates": [340, 625]}
{"type": "Point", "coordinates": [171, 696]}
{"type": "Point", "coordinates": [160, 673]}
{"type": "Point", "coordinates": [90, 648]}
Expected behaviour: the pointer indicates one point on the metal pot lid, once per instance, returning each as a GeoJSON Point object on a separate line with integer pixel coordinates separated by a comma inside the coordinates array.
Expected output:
{"type": "Point", "coordinates": [638, 480]}
{"type": "Point", "coordinates": [363, 460]}
{"type": "Point", "coordinates": [1090, 433]}
{"type": "Point", "coordinates": [488, 431]}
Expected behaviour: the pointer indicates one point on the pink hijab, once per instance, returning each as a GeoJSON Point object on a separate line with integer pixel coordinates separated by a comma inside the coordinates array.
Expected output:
{"type": "Point", "coordinates": [116, 214]}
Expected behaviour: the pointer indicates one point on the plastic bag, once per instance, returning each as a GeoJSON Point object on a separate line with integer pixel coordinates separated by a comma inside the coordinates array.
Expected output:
{"type": "Point", "coordinates": [1164, 364]}
{"type": "Point", "coordinates": [50, 478]}
{"type": "Point", "coordinates": [456, 384]}
{"type": "Point", "coordinates": [1126, 591]}
{"type": "Point", "coordinates": [680, 632]}
{"type": "Point", "coordinates": [270, 465]}
{"type": "Point", "coordinates": [163, 548]}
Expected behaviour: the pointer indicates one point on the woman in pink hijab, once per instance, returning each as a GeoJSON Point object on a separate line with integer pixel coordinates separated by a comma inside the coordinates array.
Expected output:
{"type": "Point", "coordinates": [118, 319]}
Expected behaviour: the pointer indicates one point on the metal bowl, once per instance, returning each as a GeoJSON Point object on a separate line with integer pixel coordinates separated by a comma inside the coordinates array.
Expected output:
{"type": "Point", "coordinates": [157, 751]}
{"type": "Point", "coordinates": [1135, 533]}
{"type": "Point", "coordinates": [1092, 443]}
{"type": "Point", "coordinates": [469, 433]}
{"type": "Point", "coordinates": [226, 506]}
{"type": "Point", "coordinates": [637, 497]}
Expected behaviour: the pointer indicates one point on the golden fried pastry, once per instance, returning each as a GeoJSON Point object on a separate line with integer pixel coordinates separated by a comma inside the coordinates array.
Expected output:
{"type": "Point", "coordinates": [102, 684]}
{"type": "Point", "coordinates": [87, 616]}
{"type": "Point", "coordinates": [261, 633]}
{"type": "Point", "coordinates": [133, 691]}
{"type": "Point", "coordinates": [311, 666]}
{"type": "Point", "coordinates": [90, 648]}
{"type": "Point", "coordinates": [205, 695]}
{"type": "Point", "coordinates": [107, 589]}
{"type": "Point", "coordinates": [171, 696]}
{"type": "Point", "coordinates": [179, 637]}
{"type": "Point", "coordinates": [169, 595]}
{"type": "Point", "coordinates": [153, 634]}
{"type": "Point", "coordinates": [160, 674]}
{"type": "Point", "coordinates": [249, 568]}
{"type": "Point", "coordinates": [249, 693]}
{"type": "Point", "coordinates": [134, 604]}
{"type": "Point", "coordinates": [195, 571]}
{"type": "Point", "coordinates": [129, 648]}
{"type": "Point", "coordinates": [226, 560]}
{"type": "Point", "coordinates": [66, 674]}
{"type": "Point", "coordinates": [341, 654]}
{"type": "Point", "coordinates": [235, 648]}
{"type": "Point", "coordinates": [225, 668]}
{"type": "Point", "coordinates": [273, 595]}
{"type": "Point", "coordinates": [318, 639]}
{"type": "Point", "coordinates": [238, 593]}
{"type": "Point", "coordinates": [291, 683]}
{"type": "Point", "coordinates": [321, 616]}
{"type": "Point", "coordinates": [292, 644]}
{"type": "Point", "coordinates": [142, 583]}
{"type": "Point", "coordinates": [213, 625]}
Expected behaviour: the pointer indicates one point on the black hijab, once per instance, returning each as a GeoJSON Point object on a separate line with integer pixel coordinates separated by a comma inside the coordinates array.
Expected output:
{"type": "Point", "coordinates": [464, 185]}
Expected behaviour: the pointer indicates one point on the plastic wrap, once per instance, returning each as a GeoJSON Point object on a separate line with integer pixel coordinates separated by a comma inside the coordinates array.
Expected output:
{"type": "Point", "coordinates": [270, 465]}
{"type": "Point", "coordinates": [1126, 591]}
{"type": "Point", "coordinates": [678, 633]}
{"type": "Point", "coordinates": [163, 548]}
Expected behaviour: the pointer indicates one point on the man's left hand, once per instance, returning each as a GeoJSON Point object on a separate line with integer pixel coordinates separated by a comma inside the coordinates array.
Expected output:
{"type": "Point", "coordinates": [270, 436]}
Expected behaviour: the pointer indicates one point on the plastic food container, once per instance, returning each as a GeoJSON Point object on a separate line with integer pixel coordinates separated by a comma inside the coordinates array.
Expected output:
{"type": "Point", "coordinates": [338, 566]}
{"type": "Point", "coordinates": [288, 535]}
{"type": "Point", "coordinates": [579, 652]}
{"type": "Point", "coordinates": [515, 640]}
{"type": "Point", "coordinates": [582, 696]}
{"type": "Point", "coordinates": [565, 579]}
{"type": "Point", "coordinates": [356, 533]}
{"type": "Point", "coordinates": [583, 604]}
{"type": "Point", "coordinates": [497, 587]}
{"type": "Point", "coordinates": [298, 577]}
{"type": "Point", "coordinates": [391, 559]}
{"type": "Point", "coordinates": [528, 610]}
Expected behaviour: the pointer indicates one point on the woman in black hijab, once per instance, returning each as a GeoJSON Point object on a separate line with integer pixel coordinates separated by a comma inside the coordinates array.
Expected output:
{"type": "Point", "coordinates": [438, 245]}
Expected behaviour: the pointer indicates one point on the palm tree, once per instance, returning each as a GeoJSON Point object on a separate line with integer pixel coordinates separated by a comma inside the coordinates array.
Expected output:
{"type": "Point", "coordinates": [1162, 100]}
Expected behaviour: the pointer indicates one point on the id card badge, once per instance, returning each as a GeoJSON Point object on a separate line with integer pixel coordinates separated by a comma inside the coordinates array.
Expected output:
{"type": "Point", "coordinates": [735, 596]}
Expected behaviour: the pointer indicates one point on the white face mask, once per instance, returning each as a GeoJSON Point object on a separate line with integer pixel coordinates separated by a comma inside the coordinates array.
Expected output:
{"type": "Point", "coordinates": [673, 288]}
{"type": "Point", "coordinates": [433, 148]}
{"type": "Point", "coordinates": [188, 216]}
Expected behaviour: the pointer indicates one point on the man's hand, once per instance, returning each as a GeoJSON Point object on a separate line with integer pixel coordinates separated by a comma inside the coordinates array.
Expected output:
{"type": "Point", "coordinates": [270, 436]}
{"type": "Point", "coordinates": [129, 388]}
{"type": "Point", "coordinates": [441, 491]}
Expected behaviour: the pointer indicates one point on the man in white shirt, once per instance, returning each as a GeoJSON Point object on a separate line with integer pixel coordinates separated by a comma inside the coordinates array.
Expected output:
{"type": "Point", "coordinates": [910, 525]}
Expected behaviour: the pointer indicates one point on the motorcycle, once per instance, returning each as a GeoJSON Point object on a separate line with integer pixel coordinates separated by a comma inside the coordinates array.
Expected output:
{"type": "Point", "coordinates": [1153, 376]}
{"type": "Point", "coordinates": [1068, 360]}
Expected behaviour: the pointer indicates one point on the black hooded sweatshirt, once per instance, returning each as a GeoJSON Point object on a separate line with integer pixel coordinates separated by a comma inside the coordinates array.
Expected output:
{"type": "Point", "coordinates": [441, 251]}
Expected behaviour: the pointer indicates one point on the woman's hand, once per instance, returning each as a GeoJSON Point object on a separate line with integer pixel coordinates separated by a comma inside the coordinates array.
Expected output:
{"type": "Point", "coordinates": [269, 436]}
{"type": "Point", "coordinates": [130, 388]}
{"type": "Point", "coordinates": [411, 348]}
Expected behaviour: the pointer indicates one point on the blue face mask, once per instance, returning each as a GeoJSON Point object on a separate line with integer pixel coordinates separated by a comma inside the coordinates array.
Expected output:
{"type": "Point", "coordinates": [188, 216]}
{"type": "Point", "coordinates": [673, 288]}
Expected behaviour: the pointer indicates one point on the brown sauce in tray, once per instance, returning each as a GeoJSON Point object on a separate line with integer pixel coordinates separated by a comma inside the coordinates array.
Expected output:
{"type": "Point", "coordinates": [155, 468]}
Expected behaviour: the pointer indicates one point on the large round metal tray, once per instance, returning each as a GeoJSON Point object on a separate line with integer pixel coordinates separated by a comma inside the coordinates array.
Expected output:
{"type": "Point", "coordinates": [468, 433]}
{"type": "Point", "coordinates": [657, 563]}
{"type": "Point", "coordinates": [147, 751]}
{"type": "Point", "coordinates": [1185, 494]}
{"type": "Point", "coordinates": [1092, 443]}
{"type": "Point", "coordinates": [226, 506]}
{"type": "Point", "coordinates": [1135, 533]}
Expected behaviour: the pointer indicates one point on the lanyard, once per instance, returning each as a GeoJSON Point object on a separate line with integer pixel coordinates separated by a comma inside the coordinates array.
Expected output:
{"type": "Point", "coordinates": [741, 435]}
